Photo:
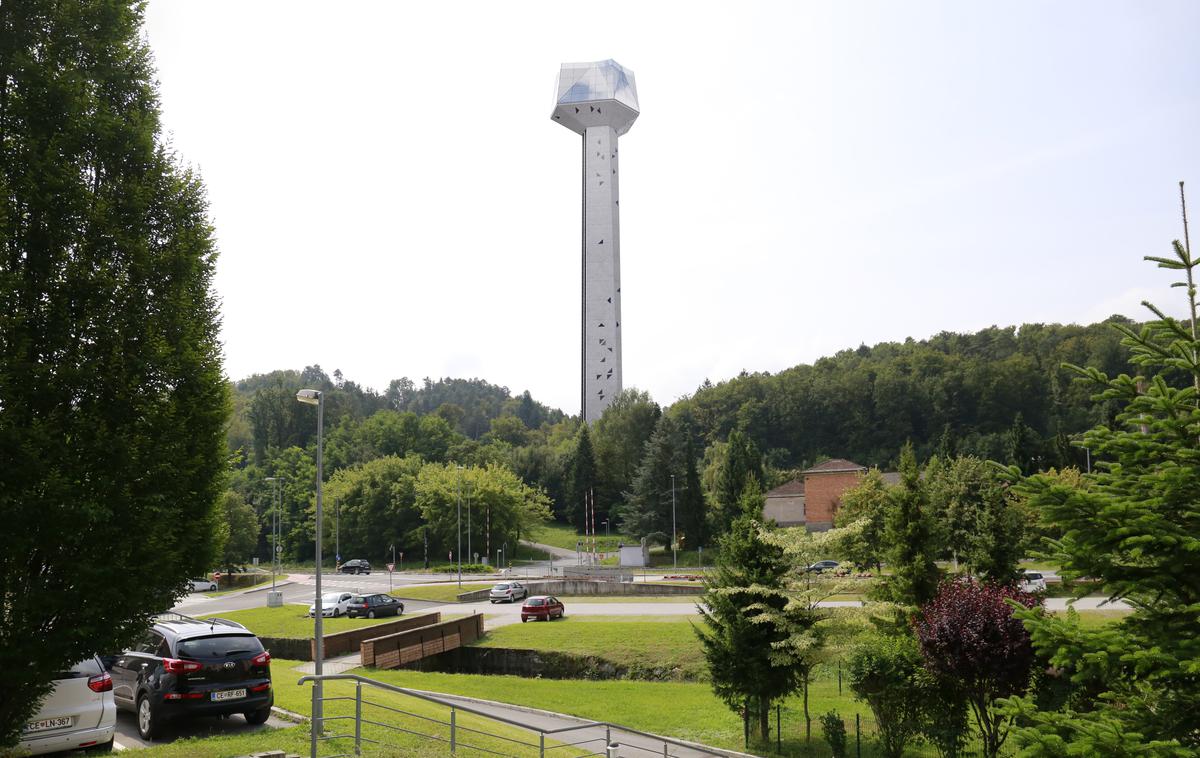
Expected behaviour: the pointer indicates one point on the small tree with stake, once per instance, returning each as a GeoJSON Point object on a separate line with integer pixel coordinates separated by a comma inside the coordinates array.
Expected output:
{"type": "Point", "coordinates": [970, 640]}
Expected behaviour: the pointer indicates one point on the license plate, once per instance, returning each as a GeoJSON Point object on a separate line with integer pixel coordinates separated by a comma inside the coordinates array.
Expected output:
{"type": "Point", "coordinates": [47, 724]}
{"type": "Point", "coordinates": [229, 694]}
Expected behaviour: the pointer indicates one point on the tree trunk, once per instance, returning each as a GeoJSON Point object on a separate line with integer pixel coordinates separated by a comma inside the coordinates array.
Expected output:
{"type": "Point", "coordinates": [764, 719]}
{"type": "Point", "coordinates": [807, 718]}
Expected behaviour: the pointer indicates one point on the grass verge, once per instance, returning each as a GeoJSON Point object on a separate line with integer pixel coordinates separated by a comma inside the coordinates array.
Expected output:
{"type": "Point", "coordinates": [292, 622]}
{"type": "Point", "coordinates": [447, 593]}
{"type": "Point", "coordinates": [663, 643]}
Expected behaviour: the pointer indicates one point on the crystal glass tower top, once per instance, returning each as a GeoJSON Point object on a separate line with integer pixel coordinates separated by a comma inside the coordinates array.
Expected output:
{"type": "Point", "coordinates": [603, 93]}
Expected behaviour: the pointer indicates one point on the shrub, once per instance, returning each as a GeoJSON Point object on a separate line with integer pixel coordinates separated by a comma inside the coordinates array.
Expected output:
{"type": "Point", "coordinates": [834, 730]}
{"type": "Point", "coordinates": [884, 672]}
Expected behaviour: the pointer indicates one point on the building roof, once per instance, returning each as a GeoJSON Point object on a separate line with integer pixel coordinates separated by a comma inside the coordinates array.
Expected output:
{"type": "Point", "coordinates": [789, 489]}
{"type": "Point", "coordinates": [836, 464]}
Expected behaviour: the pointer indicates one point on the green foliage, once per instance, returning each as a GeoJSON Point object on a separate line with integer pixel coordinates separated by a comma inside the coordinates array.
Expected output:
{"type": "Point", "coordinates": [749, 632]}
{"type": "Point", "coordinates": [647, 510]}
{"type": "Point", "coordinates": [982, 522]}
{"type": "Point", "coordinates": [239, 530]}
{"type": "Point", "coordinates": [582, 480]}
{"type": "Point", "coordinates": [944, 715]}
{"type": "Point", "coordinates": [885, 672]}
{"type": "Point", "coordinates": [619, 439]}
{"type": "Point", "coordinates": [834, 730]}
{"type": "Point", "coordinates": [866, 503]}
{"type": "Point", "coordinates": [741, 462]}
{"type": "Point", "coordinates": [112, 402]}
{"type": "Point", "coordinates": [1136, 528]}
{"type": "Point", "coordinates": [911, 538]}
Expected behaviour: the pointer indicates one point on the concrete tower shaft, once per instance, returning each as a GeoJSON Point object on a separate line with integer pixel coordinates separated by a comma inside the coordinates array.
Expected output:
{"type": "Point", "coordinates": [599, 102]}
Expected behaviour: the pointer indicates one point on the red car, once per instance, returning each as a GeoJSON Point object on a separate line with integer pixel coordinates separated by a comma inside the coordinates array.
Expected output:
{"type": "Point", "coordinates": [542, 607]}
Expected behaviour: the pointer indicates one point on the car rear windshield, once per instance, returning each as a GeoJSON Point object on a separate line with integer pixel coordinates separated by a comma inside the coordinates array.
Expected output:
{"type": "Point", "coordinates": [219, 646]}
{"type": "Point", "coordinates": [1033, 577]}
{"type": "Point", "coordinates": [500, 587]}
{"type": "Point", "coordinates": [358, 600]}
{"type": "Point", "coordinates": [536, 601]}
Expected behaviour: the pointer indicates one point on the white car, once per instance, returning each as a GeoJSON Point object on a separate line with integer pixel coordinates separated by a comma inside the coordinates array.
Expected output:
{"type": "Point", "coordinates": [1033, 581]}
{"type": "Point", "coordinates": [508, 592]}
{"type": "Point", "coordinates": [202, 585]}
{"type": "Point", "coordinates": [333, 604]}
{"type": "Point", "coordinates": [78, 713]}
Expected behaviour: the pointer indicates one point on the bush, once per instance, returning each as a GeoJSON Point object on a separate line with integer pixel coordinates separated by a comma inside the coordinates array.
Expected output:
{"type": "Point", "coordinates": [885, 672]}
{"type": "Point", "coordinates": [834, 730]}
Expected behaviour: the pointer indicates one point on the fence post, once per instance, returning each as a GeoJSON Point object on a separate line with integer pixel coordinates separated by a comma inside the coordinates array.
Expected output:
{"type": "Point", "coordinates": [607, 736]}
{"type": "Point", "coordinates": [312, 722]}
{"type": "Point", "coordinates": [839, 678]}
{"type": "Point", "coordinates": [778, 732]}
{"type": "Point", "coordinates": [358, 718]}
{"type": "Point", "coordinates": [857, 736]}
{"type": "Point", "coordinates": [542, 745]}
{"type": "Point", "coordinates": [453, 731]}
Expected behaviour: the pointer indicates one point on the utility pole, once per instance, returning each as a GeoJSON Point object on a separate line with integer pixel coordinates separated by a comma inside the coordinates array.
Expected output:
{"type": "Point", "coordinates": [458, 552]}
{"type": "Point", "coordinates": [674, 531]}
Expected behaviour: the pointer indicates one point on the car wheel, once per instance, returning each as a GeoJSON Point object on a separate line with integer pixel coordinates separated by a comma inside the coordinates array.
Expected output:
{"type": "Point", "coordinates": [102, 748]}
{"type": "Point", "coordinates": [370, 614]}
{"type": "Point", "coordinates": [147, 720]}
{"type": "Point", "coordinates": [337, 612]}
{"type": "Point", "coordinates": [523, 619]}
{"type": "Point", "coordinates": [258, 717]}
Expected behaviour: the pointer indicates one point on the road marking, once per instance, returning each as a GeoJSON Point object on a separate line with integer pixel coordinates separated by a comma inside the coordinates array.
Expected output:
{"type": "Point", "coordinates": [118, 745]}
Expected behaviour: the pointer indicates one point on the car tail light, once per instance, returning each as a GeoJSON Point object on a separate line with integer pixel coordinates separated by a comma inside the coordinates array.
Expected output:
{"type": "Point", "coordinates": [183, 696]}
{"type": "Point", "coordinates": [100, 683]}
{"type": "Point", "coordinates": [262, 659]}
{"type": "Point", "coordinates": [261, 687]}
{"type": "Point", "coordinates": [176, 666]}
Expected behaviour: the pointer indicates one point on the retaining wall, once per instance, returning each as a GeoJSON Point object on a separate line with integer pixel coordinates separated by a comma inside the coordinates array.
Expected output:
{"type": "Point", "coordinates": [344, 643]}
{"type": "Point", "coordinates": [546, 664]}
{"type": "Point", "coordinates": [288, 647]}
{"type": "Point", "coordinates": [593, 587]}
{"type": "Point", "coordinates": [394, 650]}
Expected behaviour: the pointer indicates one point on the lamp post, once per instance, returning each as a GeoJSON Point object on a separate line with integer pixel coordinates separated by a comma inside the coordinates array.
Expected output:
{"type": "Point", "coordinates": [605, 522]}
{"type": "Point", "coordinates": [470, 554]}
{"type": "Point", "coordinates": [315, 397]}
{"type": "Point", "coordinates": [274, 537]}
{"type": "Point", "coordinates": [674, 531]}
{"type": "Point", "coordinates": [337, 531]}
{"type": "Point", "coordinates": [459, 551]}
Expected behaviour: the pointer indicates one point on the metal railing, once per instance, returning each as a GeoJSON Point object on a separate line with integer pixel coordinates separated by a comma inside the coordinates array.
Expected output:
{"type": "Point", "coordinates": [544, 741]}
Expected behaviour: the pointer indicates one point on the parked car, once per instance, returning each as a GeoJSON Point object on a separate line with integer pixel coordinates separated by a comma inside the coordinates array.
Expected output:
{"type": "Point", "coordinates": [374, 605]}
{"type": "Point", "coordinates": [545, 607]}
{"type": "Point", "coordinates": [820, 567]}
{"type": "Point", "coordinates": [334, 604]}
{"type": "Point", "coordinates": [355, 566]}
{"type": "Point", "coordinates": [78, 713]}
{"type": "Point", "coordinates": [202, 585]}
{"type": "Point", "coordinates": [508, 591]}
{"type": "Point", "coordinates": [1033, 581]}
{"type": "Point", "coordinates": [187, 667]}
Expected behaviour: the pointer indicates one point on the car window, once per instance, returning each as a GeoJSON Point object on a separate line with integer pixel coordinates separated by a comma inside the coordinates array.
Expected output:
{"type": "Point", "coordinates": [1033, 576]}
{"type": "Point", "coordinates": [219, 646]}
{"type": "Point", "coordinates": [357, 599]}
{"type": "Point", "coordinates": [537, 601]}
{"type": "Point", "coordinates": [500, 587]}
{"type": "Point", "coordinates": [149, 643]}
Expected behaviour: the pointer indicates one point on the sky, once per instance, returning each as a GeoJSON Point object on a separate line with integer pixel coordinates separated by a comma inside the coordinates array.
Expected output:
{"type": "Point", "coordinates": [391, 198]}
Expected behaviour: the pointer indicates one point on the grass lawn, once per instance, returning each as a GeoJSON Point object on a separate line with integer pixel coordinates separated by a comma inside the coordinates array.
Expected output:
{"type": "Point", "coordinates": [561, 535]}
{"type": "Point", "coordinates": [1097, 619]}
{"type": "Point", "coordinates": [444, 592]}
{"type": "Point", "coordinates": [291, 621]}
{"type": "Point", "coordinates": [261, 582]}
{"type": "Point", "coordinates": [656, 642]}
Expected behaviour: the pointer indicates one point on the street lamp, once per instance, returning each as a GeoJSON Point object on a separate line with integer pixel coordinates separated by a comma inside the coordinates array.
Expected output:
{"type": "Point", "coordinates": [674, 531]}
{"type": "Point", "coordinates": [317, 398]}
{"type": "Point", "coordinates": [459, 498]}
{"type": "Point", "coordinates": [605, 522]}
{"type": "Point", "coordinates": [274, 536]}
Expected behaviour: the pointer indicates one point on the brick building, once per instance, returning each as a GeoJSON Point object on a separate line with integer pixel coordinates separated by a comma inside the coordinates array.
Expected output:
{"type": "Point", "coordinates": [813, 499]}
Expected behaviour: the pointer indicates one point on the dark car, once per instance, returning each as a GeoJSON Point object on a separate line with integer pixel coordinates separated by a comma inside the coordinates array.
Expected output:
{"type": "Point", "coordinates": [186, 667]}
{"type": "Point", "coordinates": [820, 567]}
{"type": "Point", "coordinates": [372, 606]}
{"type": "Point", "coordinates": [356, 566]}
{"type": "Point", "coordinates": [545, 607]}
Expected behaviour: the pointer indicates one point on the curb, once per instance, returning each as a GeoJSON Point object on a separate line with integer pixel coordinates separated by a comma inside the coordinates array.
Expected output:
{"type": "Point", "coordinates": [554, 714]}
{"type": "Point", "coordinates": [287, 715]}
{"type": "Point", "coordinates": [264, 589]}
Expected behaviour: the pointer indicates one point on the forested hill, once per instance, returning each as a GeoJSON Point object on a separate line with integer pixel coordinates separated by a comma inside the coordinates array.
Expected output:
{"type": "Point", "coordinates": [981, 394]}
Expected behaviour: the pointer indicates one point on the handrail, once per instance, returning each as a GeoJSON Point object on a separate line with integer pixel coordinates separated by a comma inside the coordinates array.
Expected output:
{"type": "Point", "coordinates": [431, 698]}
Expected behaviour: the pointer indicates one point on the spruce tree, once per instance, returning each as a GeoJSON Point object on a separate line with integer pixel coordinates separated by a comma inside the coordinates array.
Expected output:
{"type": "Point", "coordinates": [744, 608]}
{"type": "Point", "coordinates": [742, 461]}
{"type": "Point", "coordinates": [1135, 527]}
{"type": "Point", "coordinates": [912, 538]}
{"type": "Point", "coordinates": [582, 479]}
{"type": "Point", "coordinates": [647, 508]}
{"type": "Point", "coordinates": [112, 400]}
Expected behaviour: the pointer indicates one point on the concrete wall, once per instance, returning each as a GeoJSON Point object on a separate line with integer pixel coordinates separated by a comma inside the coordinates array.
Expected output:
{"type": "Point", "coordinates": [785, 510]}
{"type": "Point", "coordinates": [588, 588]}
